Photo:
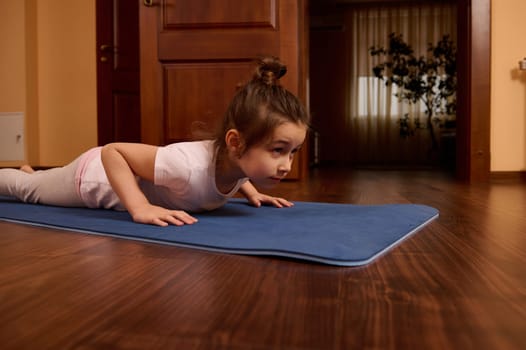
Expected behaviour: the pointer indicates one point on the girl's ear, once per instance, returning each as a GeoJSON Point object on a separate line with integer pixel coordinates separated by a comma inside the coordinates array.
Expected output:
{"type": "Point", "coordinates": [234, 143]}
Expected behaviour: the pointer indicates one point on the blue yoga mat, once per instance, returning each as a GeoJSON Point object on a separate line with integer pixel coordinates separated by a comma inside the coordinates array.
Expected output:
{"type": "Point", "coordinates": [335, 234]}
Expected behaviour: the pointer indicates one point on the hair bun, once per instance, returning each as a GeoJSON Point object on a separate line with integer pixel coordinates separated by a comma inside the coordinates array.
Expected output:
{"type": "Point", "coordinates": [269, 70]}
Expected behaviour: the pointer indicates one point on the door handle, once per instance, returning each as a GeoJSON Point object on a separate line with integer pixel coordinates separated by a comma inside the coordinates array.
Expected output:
{"type": "Point", "coordinates": [148, 3]}
{"type": "Point", "coordinates": [106, 48]}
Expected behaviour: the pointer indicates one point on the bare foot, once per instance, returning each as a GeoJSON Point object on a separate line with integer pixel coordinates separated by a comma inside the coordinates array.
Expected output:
{"type": "Point", "coordinates": [27, 169]}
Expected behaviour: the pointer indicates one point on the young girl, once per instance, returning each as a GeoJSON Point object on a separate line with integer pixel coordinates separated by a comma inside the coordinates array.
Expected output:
{"type": "Point", "coordinates": [264, 127]}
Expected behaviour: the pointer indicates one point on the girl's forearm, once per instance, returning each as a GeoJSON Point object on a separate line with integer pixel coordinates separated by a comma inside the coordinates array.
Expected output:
{"type": "Point", "coordinates": [248, 190]}
{"type": "Point", "coordinates": [122, 178]}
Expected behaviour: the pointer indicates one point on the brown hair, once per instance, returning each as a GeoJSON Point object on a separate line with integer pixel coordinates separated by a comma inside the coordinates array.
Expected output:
{"type": "Point", "coordinates": [261, 105]}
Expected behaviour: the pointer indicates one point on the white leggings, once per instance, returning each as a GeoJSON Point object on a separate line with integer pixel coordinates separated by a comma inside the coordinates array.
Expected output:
{"type": "Point", "coordinates": [54, 186]}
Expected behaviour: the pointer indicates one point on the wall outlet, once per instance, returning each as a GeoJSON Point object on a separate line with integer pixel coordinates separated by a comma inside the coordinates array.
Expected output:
{"type": "Point", "coordinates": [12, 136]}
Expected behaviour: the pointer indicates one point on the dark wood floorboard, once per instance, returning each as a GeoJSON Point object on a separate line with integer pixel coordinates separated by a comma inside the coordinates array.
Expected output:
{"type": "Point", "coordinates": [460, 283]}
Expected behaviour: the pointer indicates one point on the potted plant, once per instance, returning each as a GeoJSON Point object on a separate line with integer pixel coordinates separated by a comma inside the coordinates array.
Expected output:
{"type": "Point", "coordinates": [429, 79]}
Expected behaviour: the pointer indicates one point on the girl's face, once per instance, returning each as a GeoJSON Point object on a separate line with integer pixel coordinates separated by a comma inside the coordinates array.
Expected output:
{"type": "Point", "coordinates": [266, 164]}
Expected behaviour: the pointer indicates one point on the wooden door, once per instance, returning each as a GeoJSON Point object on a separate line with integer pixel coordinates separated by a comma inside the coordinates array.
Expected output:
{"type": "Point", "coordinates": [195, 52]}
{"type": "Point", "coordinates": [118, 79]}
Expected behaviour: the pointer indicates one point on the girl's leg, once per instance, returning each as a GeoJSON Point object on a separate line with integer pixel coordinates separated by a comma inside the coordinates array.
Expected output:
{"type": "Point", "coordinates": [55, 186]}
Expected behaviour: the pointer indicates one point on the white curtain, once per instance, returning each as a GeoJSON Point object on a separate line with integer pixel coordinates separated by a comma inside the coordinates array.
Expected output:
{"type": "Point", "coordinates": [373, 111]}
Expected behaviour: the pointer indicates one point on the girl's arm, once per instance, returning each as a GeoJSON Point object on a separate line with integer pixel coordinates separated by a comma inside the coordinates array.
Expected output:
{"type": "Point", "coordinates": [122, 162]}
{"type": "Point", "coordinates": [256, 198]}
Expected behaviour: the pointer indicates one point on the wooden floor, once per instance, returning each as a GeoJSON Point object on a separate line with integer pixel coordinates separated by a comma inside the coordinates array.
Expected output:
{"type": "Point", "coordinates": [460, 283]}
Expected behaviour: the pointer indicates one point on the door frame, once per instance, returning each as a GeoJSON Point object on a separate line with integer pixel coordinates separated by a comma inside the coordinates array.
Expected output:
{"type": "Point", "coordinates": [473, 90]}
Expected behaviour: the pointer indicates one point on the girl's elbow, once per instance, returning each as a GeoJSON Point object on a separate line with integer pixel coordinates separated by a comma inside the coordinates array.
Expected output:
{"type": "Point", "coordinates": [109, 147]}
{"type": "Point", "coordinates": [107, 150]}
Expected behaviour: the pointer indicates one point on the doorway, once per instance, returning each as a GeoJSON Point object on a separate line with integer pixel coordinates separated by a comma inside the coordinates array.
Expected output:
{"type": "Point", "coordinates": [368, 126]}
{"type": "Point", "coordinates": [469, 152]}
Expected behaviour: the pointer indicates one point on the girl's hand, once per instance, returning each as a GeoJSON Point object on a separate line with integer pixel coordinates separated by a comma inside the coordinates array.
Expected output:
{"type": "Point", "coordinates": [258, 199]}
{"type": "Point", "coordinates": [154, 215]}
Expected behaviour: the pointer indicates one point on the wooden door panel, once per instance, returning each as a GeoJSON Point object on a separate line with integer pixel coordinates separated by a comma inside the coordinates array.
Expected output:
{"type": "Point", "coordinates": [226, 29]}
{"type": "Point", "coordinates": [222, 14]}
{"type": "Point", "coordinates": [217, 44]}
{"type": "Point", "coordinates": [199, 95]}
